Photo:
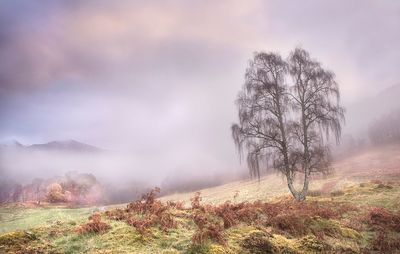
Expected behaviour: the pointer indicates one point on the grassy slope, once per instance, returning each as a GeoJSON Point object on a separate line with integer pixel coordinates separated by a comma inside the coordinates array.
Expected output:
{"type": "Point", "coordinates": [375, 164]}
{"type": "Point", "coordinates": [53, 229]}
{"type": "Point", "coordinates": [19, 218]}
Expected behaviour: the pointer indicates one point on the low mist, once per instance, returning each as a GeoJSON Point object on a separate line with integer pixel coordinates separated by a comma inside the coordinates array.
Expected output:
{"type": "Point", "coordinates": [122, 175]}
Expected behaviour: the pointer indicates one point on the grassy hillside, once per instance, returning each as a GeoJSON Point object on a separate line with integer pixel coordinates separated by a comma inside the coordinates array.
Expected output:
{"type": "Point", "coordinates": [354, 211]}
{"type": "Point", "coordinates": [382, 163]}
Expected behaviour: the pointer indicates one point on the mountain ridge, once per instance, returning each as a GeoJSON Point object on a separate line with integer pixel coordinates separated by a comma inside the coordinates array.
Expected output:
{"type": "Point", "coordinates": [56, 145]}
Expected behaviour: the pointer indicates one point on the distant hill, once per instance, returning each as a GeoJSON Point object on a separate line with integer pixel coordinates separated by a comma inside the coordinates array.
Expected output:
{"type": "Point", "coordinates": [67, 145]}
{"type": "Point", "coordinates": [11, 144]}
{"type": "Point", "coordinates": [361, 114]}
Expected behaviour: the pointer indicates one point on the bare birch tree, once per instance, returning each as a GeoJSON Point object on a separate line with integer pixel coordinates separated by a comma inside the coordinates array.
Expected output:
{"type": "Point", "coordinates": [287, 111]}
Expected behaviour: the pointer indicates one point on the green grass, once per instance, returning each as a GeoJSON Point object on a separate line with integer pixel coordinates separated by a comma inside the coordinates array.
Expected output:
{"type": "Point", "coordinates": [121, 238]}
{"type": "Point", "coordinates": [20, 218]}
{"type": "Point", "coordinates": [371, 194]}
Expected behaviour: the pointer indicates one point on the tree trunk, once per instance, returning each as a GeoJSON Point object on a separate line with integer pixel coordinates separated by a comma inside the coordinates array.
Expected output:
{"type": "Point", "coordinates": [298, 195]}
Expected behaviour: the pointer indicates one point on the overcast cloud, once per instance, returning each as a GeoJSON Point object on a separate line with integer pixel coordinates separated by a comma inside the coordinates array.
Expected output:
{"type": "Point", "coordinates": [159, 78]}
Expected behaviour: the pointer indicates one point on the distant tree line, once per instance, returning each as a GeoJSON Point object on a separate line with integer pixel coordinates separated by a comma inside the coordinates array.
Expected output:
{"type": "Point", "coordinates": [73, 188]}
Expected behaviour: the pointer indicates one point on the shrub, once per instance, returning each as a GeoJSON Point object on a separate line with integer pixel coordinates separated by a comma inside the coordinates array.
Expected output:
{"type": "Point", "coordinates": [258, 243]}
{"type": "Point", "coordinates": [208, 229]}
{"type": "Point", "coordinates": [208, 225]}
{"type": "Point", "coordinates": [195, 201]}
{"type": "Point", "coordinates": [289, 216]}
{"type": "Point", "coordinates": [385, 243]}
{"type": "Point", "coordinates": [232, 214]}
{"type": "Point", "coordinates": [95, 225]}
{"type": "Point", "coordinates": [146, 213]}
{"type": "Point", "coordinates": [295, 218]}
{"type": "Point", "coordinates": [384, 186]}
{"type": "Point", "coordinates": [146, 204]}
{"type": "Point", "coordinates": [55, 194]}
{"type": "Point", "coordinates": [337, 193]}
{"type": "Point", "coordinates": [313, 244]}
{"type": "Point", "coordinates": [175, 205]}
{"type": "Point", "coordinates": [381, 219]}
{"type": "Point", "coordinates": [141, 225]}
{"type": "Point", "coordinates": [117, 214]}
{"type": "Point", "coordinates": [291, 223]}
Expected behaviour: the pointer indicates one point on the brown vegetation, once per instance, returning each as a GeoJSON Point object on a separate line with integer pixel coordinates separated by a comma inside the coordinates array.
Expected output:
{"type": "Point", "coordinates": [385, 243]}
{"type": "Point", "coordinates": [95, 225]}
{"type": "Point", "coordinates": [310, 222]}
{"type": "Point", "coordinates": [258, 243]}
{"type": "Point", "coordinates": [146, 213]}
{"type": "Point", "coordinates": [381, 218]}
{"type": "Point", "coordinates": [208, 228]}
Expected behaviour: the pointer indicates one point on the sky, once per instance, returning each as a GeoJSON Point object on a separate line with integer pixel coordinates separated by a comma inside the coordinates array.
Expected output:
{"type": "Point", "coordinates": [159, 78]}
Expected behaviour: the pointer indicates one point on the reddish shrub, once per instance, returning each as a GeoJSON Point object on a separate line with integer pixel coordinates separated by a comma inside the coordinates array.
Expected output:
{"type": "Point", "coordinates": [146, 203]}
{"type": "Point", "coordinates": [288, 216]}
{"type": "Point", "coordinates": [141, 225]}
{"type": "Point", "coordinates": [195, 201]}
{"type": "Point", "coordinates": [326, 210]}
{"type": "Point", "coordinates": [295, 218]}
{"type": "Point", "coordinates": [146, 213]}
{"type": "Point", "coordinates": [207, 229]}
{"type": "Point", "coordinates": [117, 214]}
{"type": "Point", "coordinates": [291, 223]}
{"type": "Point", "coordinates": [165, 220]}
{"type": "Point", "coordinates": [95, 225]}
{"type": "Point", "coordinates": [175, 205]}
{"type": "Point", "coordinates": [385, 243]}
{"type": "Point", "coordinates": [232, 214]}
{"type": "Point", "coordinates": [380, 218]}
{"type": "Point", "coordinates": [213, 232]}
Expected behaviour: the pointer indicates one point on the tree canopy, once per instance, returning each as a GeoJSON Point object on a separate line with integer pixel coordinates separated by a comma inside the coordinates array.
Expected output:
{"type": "Point", "coordinates": [287, 110]}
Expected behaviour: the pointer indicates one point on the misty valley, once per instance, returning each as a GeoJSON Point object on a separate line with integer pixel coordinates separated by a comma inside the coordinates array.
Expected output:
{"type": "Point", "coordinates": [78, 174]}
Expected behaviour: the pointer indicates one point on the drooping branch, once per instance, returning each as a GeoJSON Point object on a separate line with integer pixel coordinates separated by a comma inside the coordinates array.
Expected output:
{"type": "Point", "coordinates": [285, 123]}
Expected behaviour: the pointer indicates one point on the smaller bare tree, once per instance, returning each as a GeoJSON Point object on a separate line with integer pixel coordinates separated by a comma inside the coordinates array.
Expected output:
{"type": "Point", "coordinates": [287, 109]}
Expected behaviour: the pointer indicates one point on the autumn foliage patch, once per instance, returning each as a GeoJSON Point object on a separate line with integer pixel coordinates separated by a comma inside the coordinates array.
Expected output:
{"type": "Point", "coordinates": [208, 228]}
{"type": "Point", "coordinates": [288, 217]}
{"type": "Point", "coordinates": [146, 213]}
{"type": "Point", "coordinates": [386, 224]}
{"type": "Point", "coordinates": [380, 218]}
{"type": "Point", "coordinates": [385, 243]}
{"type": "Point", "coordinates": [95, 225]}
